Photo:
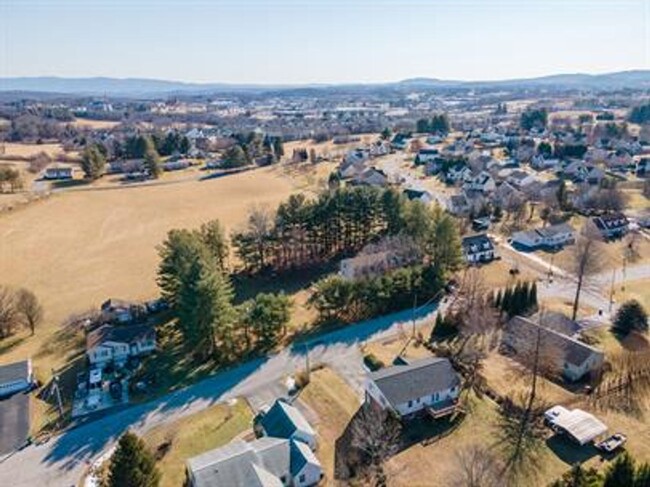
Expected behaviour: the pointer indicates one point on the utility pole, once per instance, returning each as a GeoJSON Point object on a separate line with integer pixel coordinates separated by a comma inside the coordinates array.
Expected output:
{"type": "Point", "coordinates": [611, 291]}
{"type": "Point", "coordinates": [307, 368]}
{"type": "Point", "coordinates": [415, 305]}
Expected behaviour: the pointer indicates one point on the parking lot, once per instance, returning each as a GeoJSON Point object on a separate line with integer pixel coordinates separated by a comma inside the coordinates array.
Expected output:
{"type": "Point", "coordinates": [14, 422]}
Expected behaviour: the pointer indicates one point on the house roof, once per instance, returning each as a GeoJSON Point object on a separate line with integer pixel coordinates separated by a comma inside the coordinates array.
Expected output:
{"type": "Point", "coordinates": [259, 463]}
{"type": "Point", "coordinates": [123, 334]}
{"type": "Point", "coordinates": [414, 194]}
{"type": "Point", "coordinates": [301, 455]}
{"type": "Point", "coordinates": [402, 383]}
{"type": "Point", "coordinates": [582, 426]}
{"type": "Point", "coordinates": [611, 221]}
{"type": "Point", "coordinates": [283, 420]}
{"type": "Point", "coordinates": [15, 371]}
{"type": "Point", "coordinates": [477, 243]}
{"type": "Point", "coordinates": [553, 230]}
{"type": "Point", "coordinates": [569, 349]}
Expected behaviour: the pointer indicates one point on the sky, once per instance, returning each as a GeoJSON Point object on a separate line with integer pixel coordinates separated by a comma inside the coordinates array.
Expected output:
{"type": "Point", "coordinates": [321, 41]}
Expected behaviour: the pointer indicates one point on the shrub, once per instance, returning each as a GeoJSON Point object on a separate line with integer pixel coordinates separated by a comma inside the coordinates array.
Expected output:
{"type": "Point", "coordinates": [630, 317]}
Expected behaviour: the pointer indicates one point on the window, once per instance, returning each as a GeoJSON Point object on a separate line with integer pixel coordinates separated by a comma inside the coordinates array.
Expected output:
{"type": "Point", "coordinates": [301, 479]}
{"type": "Point", "coordinates": [410, 403]}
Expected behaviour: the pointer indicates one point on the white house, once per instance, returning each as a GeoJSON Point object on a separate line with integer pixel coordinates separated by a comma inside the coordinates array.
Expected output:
{"type": "Point", "coordinates": [478, 248]}
{"type": "Point", "coordinates": [427, 155]}
{"type": "Point", "coordinates": [430, 385]}
{"type": "Point", "coordinates": [54, 173]}
{"type": "Point", "coordinates": [265, 462]}
{"type": "Point", "coordinates": [16, 377]}
{"type": "Point", "coordinates": [552, 237]}
{"type": "Point", "coordinates": [422, 195]}
{"type": "Point", "coordinates": [115, 344]}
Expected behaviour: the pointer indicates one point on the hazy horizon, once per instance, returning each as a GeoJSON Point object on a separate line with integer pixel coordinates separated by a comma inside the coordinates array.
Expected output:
{"type": "Point", "coordinates": [321, 42]}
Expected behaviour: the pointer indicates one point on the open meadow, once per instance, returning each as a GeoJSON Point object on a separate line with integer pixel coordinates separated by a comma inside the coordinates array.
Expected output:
{"type": "Point", "coordinates": [81, 247]}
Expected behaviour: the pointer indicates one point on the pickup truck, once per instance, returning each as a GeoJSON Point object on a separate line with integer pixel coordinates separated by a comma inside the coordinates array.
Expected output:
{"type": "Point", "coordinates": [612, 443]}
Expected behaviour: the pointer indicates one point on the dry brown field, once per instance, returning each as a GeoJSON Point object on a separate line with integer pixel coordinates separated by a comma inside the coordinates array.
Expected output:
{"type": "Point", "coordinates": [78, 248]}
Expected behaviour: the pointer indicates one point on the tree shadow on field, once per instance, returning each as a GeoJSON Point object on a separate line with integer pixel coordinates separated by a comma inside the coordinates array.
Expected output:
{"type": "Point", "coordinates": [247, 286]}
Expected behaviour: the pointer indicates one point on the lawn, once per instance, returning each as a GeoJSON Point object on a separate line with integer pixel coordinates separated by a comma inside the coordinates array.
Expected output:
{"type": "Point", "coordinates": [639, 290]}
{"type": "Point", "coordinates": [334, 402]}
{"type": "Point", "coordinates": [78, 248]}
{"type": "Point", "coordinates": [387, 351]}
{"type": "Point", "coordinates": [173, 444]}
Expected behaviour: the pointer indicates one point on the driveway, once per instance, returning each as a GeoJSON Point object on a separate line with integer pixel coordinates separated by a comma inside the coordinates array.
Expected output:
{"type": "Point", "coordinates": [64, 459]}
{"type": "Point", "coordinates": [14, 423]}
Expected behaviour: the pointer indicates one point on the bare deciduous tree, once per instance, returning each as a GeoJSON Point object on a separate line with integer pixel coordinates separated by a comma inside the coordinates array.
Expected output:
{"type": "Point", "coordinates": [28, 308]}
{"type": "Point", "coordinates": [376, 434]}
{"type": "Point", "coordinates": [8, 314]}
{"type": "Point", "coordinates": [587, 259]}
{"type": "Point", "coordinates": [477, 466]}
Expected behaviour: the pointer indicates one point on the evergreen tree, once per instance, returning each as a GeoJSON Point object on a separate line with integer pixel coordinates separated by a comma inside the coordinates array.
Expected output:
{"type": "Point", "coordinates": [386, 134]}
{"type": "Point", "coordinates": [235, 157]}
{"type": "Point", "coordinates": [506, 302]}
{"type": "Point", "coordinates": [631, 316]}
{"type": "Point", "coordinates": [532, 297]}
{"type": "Point", "coordinates": [268, 316]}
{"type": "Point", "coordinates": [132, 464]}
{"type": "Point", "coordinates": [642, 475]}
{"type": "Point", "coordinates": [184, 145]}
{"type": "Point", "coordinates": [152, 159]}
{"type": "Point", "coordinates": [579, 477]}
{"type": "Point", "coordinates": [93, 162]}
{"type": "Point", "coordinates": [620, 473]}
{"type": "Point", "coordinates": [278, 147]}
{"type": "Point", "coordinates": [214, 237]}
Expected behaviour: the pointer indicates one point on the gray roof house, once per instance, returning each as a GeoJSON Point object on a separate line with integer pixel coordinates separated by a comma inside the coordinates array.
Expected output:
{"type": "Point", "coordinates": [478, 248]}
{"type": "Point", "coordinates": [430, 385]}
{"type": "Point", "coordinates": [16, 377]}
{"type": "Point", "coordinates": [565, 354]}
{"type": "Point", "coordinates": [551, 237]}
{"type": "Point", "coordinates": [265, 462]}
{"type": "Point", "coordinates": [284, 420]}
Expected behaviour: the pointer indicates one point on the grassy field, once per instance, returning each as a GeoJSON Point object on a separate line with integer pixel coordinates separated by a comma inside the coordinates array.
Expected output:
{"type": "Point", "coordinates": [213, 427]}
{"type": "Point", "coordinates": [14, 149]}
{"type": "Point", "coordinates": [76, 249]}
{"type": "Point", "coordinates": [639, 290]}
{"type": "Point", "coordinates": [334, 403]}
{"type": "Point", "coordinates": [94, 124]}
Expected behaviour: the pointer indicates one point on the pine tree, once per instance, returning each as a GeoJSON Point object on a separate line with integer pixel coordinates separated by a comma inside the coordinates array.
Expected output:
{"type": "Point", "coordinates": [621, 472]}
{"type": "Point", "coordinates": [93, 162]}
{"type": "Point", "coordinates": [438, 327]}
{"type": "Point", "coordinates": [506, 302]}
{"type": "Point", "coordinates": [642, 475]}
{"type": "Point", "coordinates": [132, 464]}
{"type": "Point", "coordinates": [524, 298]}
{"type": "Point", "coordinates": [152, 159]}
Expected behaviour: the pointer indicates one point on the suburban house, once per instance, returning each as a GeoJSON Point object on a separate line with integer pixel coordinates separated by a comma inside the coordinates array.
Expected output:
{"type": "Point", "coordinates": [482, 182]}
{"type": "Point", "coordinates": [116, 344]}
{"type": "Point", "coordinates": [612, 225]}
{"type": "Point", "coordinates": [458, 205]}
{"type": "Point", "coordinates": [551, 237]}
{"type": "Point", "coordinates": [284, 420]}
{"type": "Point", "coordinates": [176, 165]}
{"type": "Point", "coordinates": [478, 248]}
{"type": "Point", "coordinates": [429, 385]}
{"type": "Point", "coordinates": [119, 311]}
{"type": "Point", "coordinates": [519, 179]}
{"type": "Point", "coordinates": [426, 155]}
{"type": "Point", "coordinates": [54, 173]}
{"type": "Point", "coordinates": [265, 462]}
{"type": "Point", "coordinates": [540, 163]}
{"type": "Point", "coordinates": [568, 355]}
{"type": "Point", "coordinates": [400, 141]}
{"type": "Point", "coordinates": [352, 169]}
{"type": "Point", "coordinates": [16, 377]}
{"type": "Point", "coordinates": [372, 177]}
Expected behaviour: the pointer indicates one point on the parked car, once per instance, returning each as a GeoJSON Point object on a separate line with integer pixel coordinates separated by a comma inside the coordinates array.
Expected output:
{"type": "Point", "coordinates": [613, 443]}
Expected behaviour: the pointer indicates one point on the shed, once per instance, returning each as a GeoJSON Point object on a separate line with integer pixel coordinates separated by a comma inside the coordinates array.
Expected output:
{"type": "Point", "coordinates": [581, 426]}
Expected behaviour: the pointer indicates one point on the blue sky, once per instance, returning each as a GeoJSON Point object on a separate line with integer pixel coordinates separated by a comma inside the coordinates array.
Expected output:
{"type": "Point", "coordinates": [300, 41]}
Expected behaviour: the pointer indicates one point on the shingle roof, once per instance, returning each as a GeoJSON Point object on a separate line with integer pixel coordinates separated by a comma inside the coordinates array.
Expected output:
{"type": "Point", "coordinates": [283, 419]}
{"type": "Point", "coordinates": [402, 383]}
{"type": "Point", "coordinates": [553, 230]}
{"type": "Point", "coordinates": [15, 371]}
{"type": "Point", "coordinates": [569, 349]}
{"type": "Point", "coordinates": [240, 463]}
{"type": "Point", "coordinates": [123, 334]}
{"type": "Point", "coordinates": [301, 455]}
{"type": "Point", "coordinates": [477, 243]}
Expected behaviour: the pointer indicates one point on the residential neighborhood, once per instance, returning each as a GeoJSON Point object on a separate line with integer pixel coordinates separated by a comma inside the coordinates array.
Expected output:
{"type": "Point", "coordinates": [324, 256]}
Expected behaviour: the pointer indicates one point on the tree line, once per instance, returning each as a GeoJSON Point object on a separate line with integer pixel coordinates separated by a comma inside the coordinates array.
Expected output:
{"type": "Point", "coordinates": [193, 279]}
{"type": "Point", "coordinates": [519, 299]}
{"type": "Point", "coordinates": [303, 233]}
{"type": "Point", "coordinates": [438, 124]}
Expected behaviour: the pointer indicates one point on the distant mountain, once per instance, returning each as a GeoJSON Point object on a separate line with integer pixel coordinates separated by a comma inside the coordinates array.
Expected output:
{"type": "Point", "coordinates": [622, 79]}
{"type": "Point", "coordinates": [134, 87]}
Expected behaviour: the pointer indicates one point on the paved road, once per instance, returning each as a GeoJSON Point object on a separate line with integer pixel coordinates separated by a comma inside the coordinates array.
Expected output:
{"type": "Point", "coordinates": [64, 459]}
